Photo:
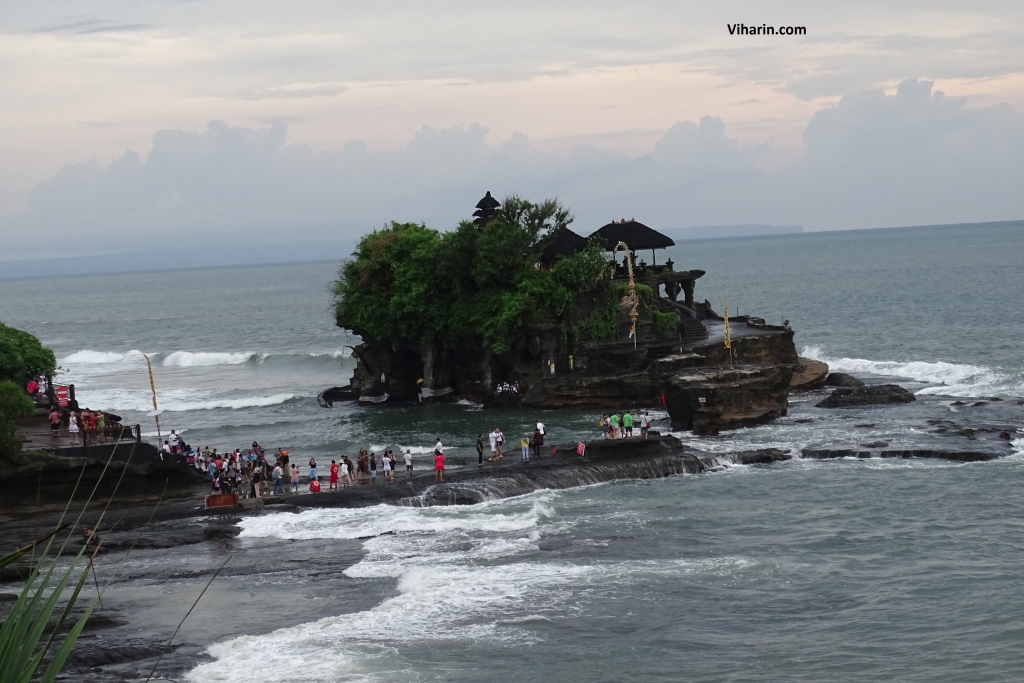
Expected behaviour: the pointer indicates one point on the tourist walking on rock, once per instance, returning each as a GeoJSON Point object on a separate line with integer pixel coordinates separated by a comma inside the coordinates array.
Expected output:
{"type": "Point", "coordinates": [500, 440]}
{"type": "Point", "coordinates": [613, 421]}
{"type": "Point", "coordinates": [493, 436]}
{"type": "Point", "coordinates": [408, 462]}
{"type": "Point", "coordinates": [480, 450]}
{"type": "Point", "coordinates": [538, 441]}
{"type": "Point", "coordinates": [351, 470]}
{"type": "Point", "coordinates": [645, 424]}
{"type": "Point", "coordinates": [438, 466]}
{"type": "Point", "coordinates": [373, 468]}
{"type": "Point", "coordinates": [278, 484]}
{"type": "Point", "coordinates": [54, 421]}
{"type": "Point", "coordinates": [524, 443]}
{"type": "Point", "coordinates": [627, 425]}
{"type": "Point", "coordinates": [295, 478]}
{"type": "Point", "coordinates": [256, 482]}
{"type": "Point", "coordinates": [333, 480]}
{"type": "Point", "coordinates": [364, 465]}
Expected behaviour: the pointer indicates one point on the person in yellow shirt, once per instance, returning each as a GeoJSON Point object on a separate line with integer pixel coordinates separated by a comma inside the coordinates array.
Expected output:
{"type": "Point", "coordinates": [525, 443]}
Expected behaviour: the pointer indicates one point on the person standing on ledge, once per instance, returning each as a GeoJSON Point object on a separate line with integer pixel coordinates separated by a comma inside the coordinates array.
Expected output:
{"type": "Point", "coordinates": [278, 473]}
{"type": "Point", "coordinates": [333, 481]}
{"type": "Point", "coordinates": [438, 466]}
{"type": "Point", "coordinates": [538, 440]}
{"type": "Point", "coordinates": [408, 462]}
{"type": "Point", "coordinates": [480, 450]}
{"type": "Point", "coordinates": [627, 425]}
{"type": "Point", "coordinates": [645, 424]}
{"type": "Point", "coordinates": [295, 478]}
{"type": "Point", "coordinates": [524, 443]}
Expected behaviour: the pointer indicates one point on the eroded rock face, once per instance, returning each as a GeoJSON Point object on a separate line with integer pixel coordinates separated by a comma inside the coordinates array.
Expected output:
{"type": "Point", "coordinates": [809, 374]}
{"type": "Point", "coordinates": [708, 400]}
{"type": "Point", "coordinates": [841, 379]}
{"type": "Point", "coordinates": [850, 397]}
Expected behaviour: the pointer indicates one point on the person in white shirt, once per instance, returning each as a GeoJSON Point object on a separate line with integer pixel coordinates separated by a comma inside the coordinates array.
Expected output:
{"type": "Point", "coordinates": [540, 428]}
{"type": "Point", "coordinates": [438, 447]}
{"type": "Point", "coordinates": [493, 436]}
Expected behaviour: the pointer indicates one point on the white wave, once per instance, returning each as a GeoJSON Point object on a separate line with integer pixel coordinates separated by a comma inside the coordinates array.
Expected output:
{"type": "Point", "coordinates": [952, 379]}
{"type": "Point", "coordinates": [195, 359]}
{"type": "Point", "coordinates": [463, 574]}
{"type": "Point", "coordinates": [342, 523]}
{"type": "Point", "coordinates": [337, 353]}
{"type": "Point", "coordinates": [87, 356]}
{"type": "Point", "coordinates": [173, 400]}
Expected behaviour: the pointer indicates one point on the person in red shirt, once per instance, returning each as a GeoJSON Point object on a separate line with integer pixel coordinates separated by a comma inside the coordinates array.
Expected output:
{"type": "Point", "coordinates": [334, 476]}
{"type": "Point", "coordinates": [438, 466]}
{"type": "Point", "coordinates": [314, 486]}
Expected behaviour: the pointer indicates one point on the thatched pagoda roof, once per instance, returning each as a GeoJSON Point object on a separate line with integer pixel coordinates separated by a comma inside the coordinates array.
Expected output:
{"type": "Point", "coordinates": [564, 243]}
{"type": "Point", "coordinates": [636, 235]}
{"type": "Point", "coordinates": [486, 209]}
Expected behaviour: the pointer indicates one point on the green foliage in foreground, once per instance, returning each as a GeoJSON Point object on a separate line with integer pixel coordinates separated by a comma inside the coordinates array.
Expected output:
{"type": "Point", "coordinates": [23, 357]}
{"type": "Point", "coordinates": [14, 404]}
{"type": "Point", "coordinates": [410, 283]}
{"type": "Point", "coordinates": [29, 650]}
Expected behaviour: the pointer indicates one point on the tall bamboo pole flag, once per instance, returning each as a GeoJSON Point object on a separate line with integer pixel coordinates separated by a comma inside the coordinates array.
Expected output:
{"type": "Point", "coordinates": [728, 337]}
{"type": "Point", "coordinates": [155, 413]}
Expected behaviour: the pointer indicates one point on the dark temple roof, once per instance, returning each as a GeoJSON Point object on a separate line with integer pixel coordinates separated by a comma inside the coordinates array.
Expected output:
{"type": "Point", "coordinates": [486, 209]}
{"type": "Point", "coordinates": [564, 243]}
{"type": "Point", "coordinates": [636, 236]}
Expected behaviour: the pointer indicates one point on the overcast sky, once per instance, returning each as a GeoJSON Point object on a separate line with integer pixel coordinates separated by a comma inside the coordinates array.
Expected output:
{"type": "Point", "coordinates": [184, 123]}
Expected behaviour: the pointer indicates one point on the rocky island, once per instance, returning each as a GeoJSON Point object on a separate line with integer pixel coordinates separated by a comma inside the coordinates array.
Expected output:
{"type": "Point", "coordinates": [514, 308]}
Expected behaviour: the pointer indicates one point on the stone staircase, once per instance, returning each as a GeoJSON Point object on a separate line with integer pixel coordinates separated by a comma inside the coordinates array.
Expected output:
{"type": "Point", "coordinates": [693, 329]}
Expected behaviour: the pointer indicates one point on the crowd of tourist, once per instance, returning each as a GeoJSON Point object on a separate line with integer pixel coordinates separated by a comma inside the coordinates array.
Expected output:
{"type": "Point", "coordinates": [620, 425]}
{"type": "Point", "coordinates": [253, 473]}
{"type": "Point", "coordinates": [91, 425]}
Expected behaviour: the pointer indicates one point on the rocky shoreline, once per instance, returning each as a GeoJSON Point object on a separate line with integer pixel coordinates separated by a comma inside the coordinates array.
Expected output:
{"type": "Point", "coordinates": [175, 547]}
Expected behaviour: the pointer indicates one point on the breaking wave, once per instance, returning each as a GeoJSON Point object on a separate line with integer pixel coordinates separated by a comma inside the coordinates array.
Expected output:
{"type": "Point", "coordinates": [463, 575]}
{"type": "Point", "coordinates": [175, 400]}
{"type": "Point", "coordinates": [950, 379]}
{"type": "Point", "coordinates": [194, 359]}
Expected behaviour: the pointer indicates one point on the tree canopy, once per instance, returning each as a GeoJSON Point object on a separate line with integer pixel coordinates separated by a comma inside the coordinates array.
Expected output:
{"type": "Point", "coordinates": [22, 357]}
{"type": "Point", "coordinates": [408, 282]}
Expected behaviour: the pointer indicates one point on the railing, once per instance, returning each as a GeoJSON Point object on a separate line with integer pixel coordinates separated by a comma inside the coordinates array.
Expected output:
{"type": "Point", "coordinates": [64, 439]}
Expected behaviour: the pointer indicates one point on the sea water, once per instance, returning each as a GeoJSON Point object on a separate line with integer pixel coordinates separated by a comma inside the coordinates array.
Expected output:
{"type": "Point", "coordinates": [844, 570]}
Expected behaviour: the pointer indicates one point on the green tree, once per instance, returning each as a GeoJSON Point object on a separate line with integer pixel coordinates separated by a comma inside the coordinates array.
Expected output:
{"type": "Point", "coordinates": [410, 283]}
{"type": "Point", "coordinates": [22, 357]}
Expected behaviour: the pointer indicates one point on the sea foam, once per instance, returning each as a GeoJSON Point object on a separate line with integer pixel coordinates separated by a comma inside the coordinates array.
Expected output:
{"type": "Point", "coordinates": [463, 574]}
{"type": "Point", "coordinates": [951, 379]}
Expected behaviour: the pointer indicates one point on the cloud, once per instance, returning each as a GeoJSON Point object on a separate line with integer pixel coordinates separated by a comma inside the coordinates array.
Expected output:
{"type": "Point", "coordinates": [913, 157]}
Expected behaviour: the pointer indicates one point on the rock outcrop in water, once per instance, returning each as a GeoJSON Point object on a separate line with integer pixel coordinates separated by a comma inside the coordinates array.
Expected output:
{"type": "Point", "coordinates": [548, 320]}
{"type": "Point", "coordinates": [852, 397]}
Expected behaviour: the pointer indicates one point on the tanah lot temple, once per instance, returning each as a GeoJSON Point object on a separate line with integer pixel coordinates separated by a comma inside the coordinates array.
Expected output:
{"type": "Point", "coordinates": [672, 352]}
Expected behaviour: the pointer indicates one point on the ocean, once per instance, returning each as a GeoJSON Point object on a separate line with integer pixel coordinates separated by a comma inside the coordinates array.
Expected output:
{"type": "Point", "coordinates": [807, 570]}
